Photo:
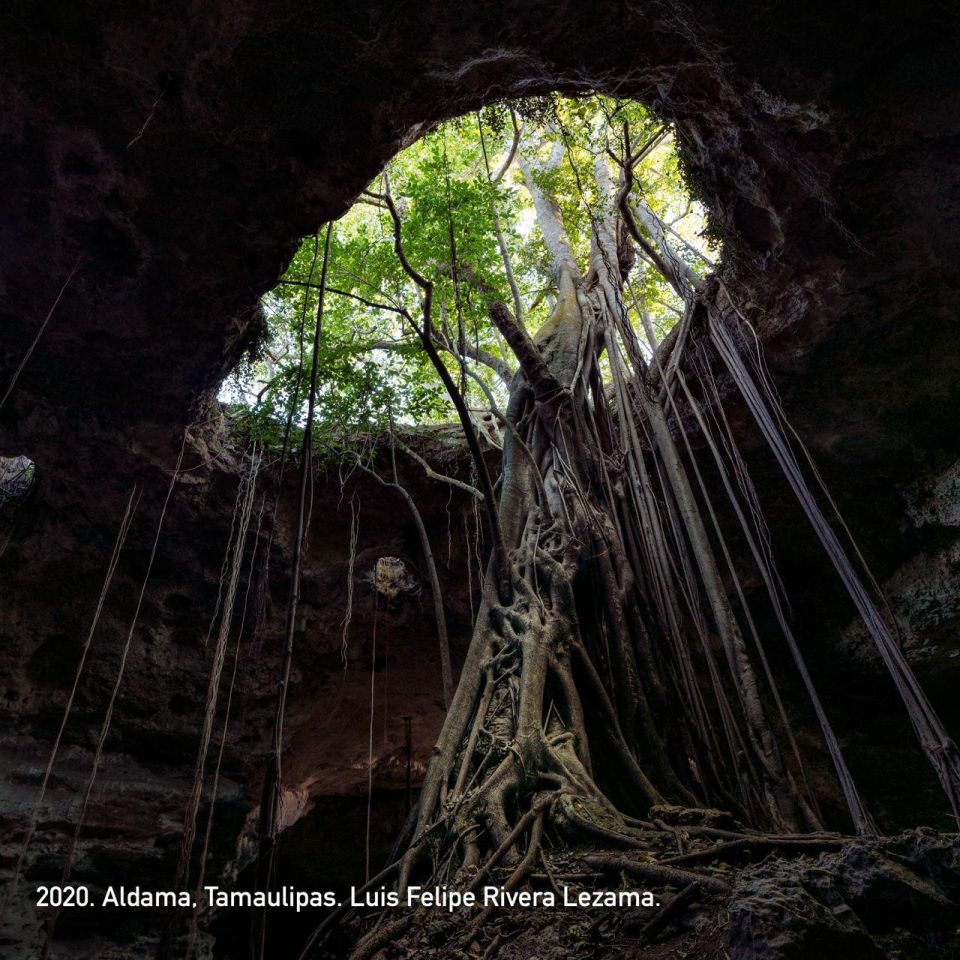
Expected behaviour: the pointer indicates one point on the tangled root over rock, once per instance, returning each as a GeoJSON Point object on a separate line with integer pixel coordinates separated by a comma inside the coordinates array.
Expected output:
{"type": "Point", "coordinates": [852, 898]}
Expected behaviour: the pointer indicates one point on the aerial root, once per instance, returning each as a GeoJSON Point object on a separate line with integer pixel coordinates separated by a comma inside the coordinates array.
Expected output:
{"type": "Point", "coordinates": [520, 873]}
{"type": "Point", "coordinates": [758, 845]}
{"type": "Point", "coordinates": [642, 870]}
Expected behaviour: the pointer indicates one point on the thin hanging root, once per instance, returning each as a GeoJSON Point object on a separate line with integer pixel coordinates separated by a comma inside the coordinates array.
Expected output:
{"type": "Point", "coordinates": [273, 780]}
{"type": "Point", "coordinates": [862, 820]}
{"type": "Point", "coordinates": [36, 339]}
{"type": "Point", "coordinates": [466, 541]}
{"type": "Point", "coordinates": [125, 523]}
{"type": "Point", "coordinates": [224, 567]}
{"type": "Point", "coordinates": [373, 676]}
{"type": "Point", "coordinates": [739, 663]}
{"type": "Point", "coordinates": [934, 739]}
{"type": "Point", "coordinates": [348, 616]}
{"type": "Point", "coordinates": [214, 788]}
{"type": "Point", "coordinates": [245, 496]}
{"type": "Point", "coordinates": [108, 715]}
{"type": "Point", "coordinates": [744, 606]}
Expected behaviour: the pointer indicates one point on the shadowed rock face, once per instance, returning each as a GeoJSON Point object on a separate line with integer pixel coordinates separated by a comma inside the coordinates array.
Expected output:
{"type": "Point", "coordinates": [52, 575]}
{"type": "Point", "coordinates": [896, 897]}
{"type": "Point", "coordinates": [170, 160]}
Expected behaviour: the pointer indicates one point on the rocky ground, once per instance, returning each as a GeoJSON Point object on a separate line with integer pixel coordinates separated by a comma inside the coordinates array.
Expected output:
{"type": "Point", "coordinates": [722, 893]}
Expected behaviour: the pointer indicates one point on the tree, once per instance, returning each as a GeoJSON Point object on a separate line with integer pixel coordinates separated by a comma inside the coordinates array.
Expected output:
{"type": "Point", "coordinates": [615, 663]}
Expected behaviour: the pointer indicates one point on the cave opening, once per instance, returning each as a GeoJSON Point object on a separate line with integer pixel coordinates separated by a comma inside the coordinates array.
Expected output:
{"type": "Point", "coordinates": [201, 185]}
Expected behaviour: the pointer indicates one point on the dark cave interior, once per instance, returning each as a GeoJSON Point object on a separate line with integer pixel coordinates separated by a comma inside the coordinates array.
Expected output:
{"type": "Point", "coordinates": [167, 159]}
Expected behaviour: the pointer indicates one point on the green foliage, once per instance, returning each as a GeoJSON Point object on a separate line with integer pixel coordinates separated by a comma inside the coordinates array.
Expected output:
{"type": "Point", "coordinates": [372, 370]}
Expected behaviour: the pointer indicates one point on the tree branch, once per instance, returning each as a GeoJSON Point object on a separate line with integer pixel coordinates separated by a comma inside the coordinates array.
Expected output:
{"type": "Point", "coordinates": [511, 153]}
{"type": "Point", "coordinates": [426, 338]}
{"type": "Point", "coordinates": [548, 216]}
{"type": "Point", "coordinates": [432, 474]}
{"type": "Point", "coordinates": [544, 384]}
{"type": "Point", "coordinates": [498, 229]}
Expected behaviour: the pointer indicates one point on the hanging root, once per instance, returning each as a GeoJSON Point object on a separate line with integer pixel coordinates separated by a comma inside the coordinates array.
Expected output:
{"type": "Point", "coordinates": [111, 704]}
{"type": "Point", "coordinates": [613, 661]}
{"type": "Point", "coordinates": [233, 562]}
{"type": "Point", "coordinates": [348, 616]}
{"type": "Point", "coordinates": [522, 747]}
{"type": "Point", "coordinates": [125, 523]}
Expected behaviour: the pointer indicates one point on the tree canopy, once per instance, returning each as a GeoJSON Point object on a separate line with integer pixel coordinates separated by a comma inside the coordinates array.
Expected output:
{"type": "Point", "coordinates": [469, 223]}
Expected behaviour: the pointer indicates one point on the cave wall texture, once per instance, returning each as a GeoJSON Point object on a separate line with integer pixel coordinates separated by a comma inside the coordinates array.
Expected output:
{"type": "Point", "coordinates": [172, 155]}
